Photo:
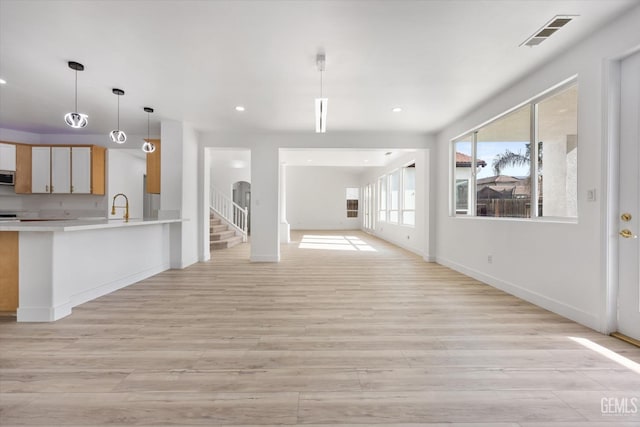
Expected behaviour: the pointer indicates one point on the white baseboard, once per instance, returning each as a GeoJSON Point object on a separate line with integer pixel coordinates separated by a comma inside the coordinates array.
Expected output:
{"type": "Point", "coordinates": [50, 314]}
{"type": "Point", "coordinates": [42, 314]}
{"type": "Point", "coordinates": [265, 258]}
{"type": "Point", "coordinates": [397, 243]}
{"type": "Point", "coordinates": [558, 307]}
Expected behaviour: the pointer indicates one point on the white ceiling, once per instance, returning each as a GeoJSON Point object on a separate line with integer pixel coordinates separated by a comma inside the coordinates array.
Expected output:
{"type": "Point", "coordinates": [340, 157]}
{"type": "Point", "coordinates": [196, 60]}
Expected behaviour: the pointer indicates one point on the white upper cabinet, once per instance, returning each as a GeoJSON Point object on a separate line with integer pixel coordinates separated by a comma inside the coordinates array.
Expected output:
{"type": "Point", "coordinates": [61, 170]}
{"type": "Point", "coordinates": [40, 169]}
{"type": "Point", "coordinates": [81, 170]}
{"type": "Point", "coordinates": [7, 157]}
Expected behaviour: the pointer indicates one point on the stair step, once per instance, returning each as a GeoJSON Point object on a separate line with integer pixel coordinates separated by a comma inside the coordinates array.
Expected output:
{"type": "Point", "coordinates": [218, 228]}
{"type": "Point", "coordinates": [222, 235]}
{"type": "Point", "coordinates": [215, 221]}
{"type": "Point", "coordinates": [225, 244]}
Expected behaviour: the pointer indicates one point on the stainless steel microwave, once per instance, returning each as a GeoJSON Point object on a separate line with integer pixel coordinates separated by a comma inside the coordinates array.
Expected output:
{"type": "Point", "coordinates": [7, 178]}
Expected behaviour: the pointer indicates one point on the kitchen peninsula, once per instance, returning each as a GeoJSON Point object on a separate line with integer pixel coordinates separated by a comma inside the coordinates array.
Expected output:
{"type": "Point", "coordinates": [62, 264]}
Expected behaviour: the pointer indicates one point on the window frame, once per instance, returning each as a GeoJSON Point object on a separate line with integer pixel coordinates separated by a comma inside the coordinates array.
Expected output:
{"type": "Point", "coordinates": [533, 173]}
{"type": "Point", "coordinates": [389, 201]}
{"type": "Point", "coordinates": [382, 185]}
{"type": "Point", "coordinates": [402, 209]}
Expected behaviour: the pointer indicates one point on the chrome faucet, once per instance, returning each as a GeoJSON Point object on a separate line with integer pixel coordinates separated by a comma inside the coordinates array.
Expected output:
{"type": "Point", "coordinates": [126, 206]}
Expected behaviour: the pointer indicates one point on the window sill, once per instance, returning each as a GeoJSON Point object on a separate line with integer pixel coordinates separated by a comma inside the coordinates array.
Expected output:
{"type": "Point", "coordinates": [551, 220]}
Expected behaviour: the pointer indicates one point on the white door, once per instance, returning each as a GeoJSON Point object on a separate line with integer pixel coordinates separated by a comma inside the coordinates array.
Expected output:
{"type": "Point", "coordinates": [40, 169]}
{"type": "Point", "coordinates": [629, 214]}
{"type": "Point", "coordinates": [81, 170]}
{"type": "Point", "coordinates": [61, 170]}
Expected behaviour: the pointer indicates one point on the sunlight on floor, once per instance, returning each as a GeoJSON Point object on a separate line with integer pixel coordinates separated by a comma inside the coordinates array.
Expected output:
{"type": "Point", "coordinates": [334, 243]}
{"type": "Point", "coordinates": [609, 354]}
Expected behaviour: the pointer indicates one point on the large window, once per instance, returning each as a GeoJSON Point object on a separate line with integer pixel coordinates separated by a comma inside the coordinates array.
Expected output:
{"type": "Point", "coordinates": [463, 173]}
{"type": "Point", "coordinates": [557, 129]}
{"type": "Point", "coordinates": [353, 196]}
{"type": "Point", "coordinates": [498, 160]}
{"type": "Point", "coordinates": [382, 199]}
{"type": "Point", "coordinates": [394, 195]}
{"type": "Point", "coordinates": [409, 194]}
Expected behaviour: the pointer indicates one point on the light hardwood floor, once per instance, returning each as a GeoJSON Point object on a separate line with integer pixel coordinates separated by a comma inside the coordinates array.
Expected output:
{"type": "Point", "coordinates": [366, 335]}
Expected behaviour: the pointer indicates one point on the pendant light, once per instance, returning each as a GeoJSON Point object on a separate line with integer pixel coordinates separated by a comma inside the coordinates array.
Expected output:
{"type": "Point", "coordinates": [321, 103]}
{"type": "Point", "coordinates": [76, 120]}
{"type": "Point", "coordinates": [148, 147]}
{"type": "Point", "coordinates": [118, 136]}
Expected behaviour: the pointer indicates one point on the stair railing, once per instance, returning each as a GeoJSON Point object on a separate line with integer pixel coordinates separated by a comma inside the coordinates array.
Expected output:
{"type": "Point", "coordinates": [230, 212]}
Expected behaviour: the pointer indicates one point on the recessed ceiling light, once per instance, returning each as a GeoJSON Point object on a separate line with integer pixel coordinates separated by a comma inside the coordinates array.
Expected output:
{"type": "Point", "coordinates": [240, 108]}
{"type": "Point", "coordinates": [396, 109]}
{"type": "Point", "coordinates": [366, 160]}
{"type": "Point", "coordinates": [309, 160]}
{"type": "Point", "coordinates": [3, 82]}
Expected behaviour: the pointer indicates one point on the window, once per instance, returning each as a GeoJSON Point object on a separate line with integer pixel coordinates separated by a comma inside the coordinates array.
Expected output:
{"type": "Point", "coordinates": [382, 199]}
{"type": "Point", "coordinates": [353, 195]}
{"type": "Point", "coordinates": [463, 173]}
{"type": "Point", "coordinates": [409, 194]}
{"type": "Point", "coordinates": [504, 188]}
{"type": "Point", "coordinates": [557, 131]}
{"type": "Point", "coordinates": [394, 195]}
{"type": "Point", "coordinates": [498, 160]}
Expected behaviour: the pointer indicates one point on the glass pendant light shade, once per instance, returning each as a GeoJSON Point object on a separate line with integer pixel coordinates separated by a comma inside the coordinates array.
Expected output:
{"type": "Point", "coordinates": [147, 146]}
{"type": "Point", "coordinates": [118, 136]}
{"type": "Point", "coordinates": [76, 120]}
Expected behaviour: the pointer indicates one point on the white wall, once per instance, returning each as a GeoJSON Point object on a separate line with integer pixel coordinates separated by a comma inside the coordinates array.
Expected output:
{"type": "Point", "coordinates": [265, 172]}
{"type": "Point", "coordinates": [316, 197]}
{"type": "Point", "coordinates": [413, 238]}
{"type": "Point", "coordinates": [228, 167]}
{"type": "Point", "coordinates": [126, 172]}
{"type": "Point", "coordinates": [190, 196]}
{"type": "Point", "coordinates": [179, 196]}
{"type": "Point", "coordinates": [559, 266]}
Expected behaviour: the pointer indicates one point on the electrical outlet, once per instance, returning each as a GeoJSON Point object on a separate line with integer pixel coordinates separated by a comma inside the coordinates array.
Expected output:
{"type": "Point", "coordinates": [408, 237]}
{"type": "Point", "coordinates": [490, 259]}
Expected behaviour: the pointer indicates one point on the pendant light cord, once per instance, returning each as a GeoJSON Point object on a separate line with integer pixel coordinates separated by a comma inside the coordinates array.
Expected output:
{"type": "Point", "coordinates": [148, 119]}
{"type": "Point", "coordinates": [118, 113]}
{"type": "Point", "coordinates": [320, 84]}
{"type": "Point", "coordinates": [76, 91]}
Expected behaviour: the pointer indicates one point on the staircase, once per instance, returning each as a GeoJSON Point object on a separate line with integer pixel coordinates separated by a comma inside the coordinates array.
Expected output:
{"type": "Point", "coordinates": [220, 236]}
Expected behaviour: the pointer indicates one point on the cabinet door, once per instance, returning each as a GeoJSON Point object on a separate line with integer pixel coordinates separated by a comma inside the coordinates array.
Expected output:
{"type": "Point", "coordinates": [7, 157]}
{"type": "Point", "coordinates": [61, 170]}
{"type": "Point", "coordinates": [153, 169]}
{"type": "Point", "coordinates": [40, 169]}
{"type": "Point", "coordinates": [81, 170]}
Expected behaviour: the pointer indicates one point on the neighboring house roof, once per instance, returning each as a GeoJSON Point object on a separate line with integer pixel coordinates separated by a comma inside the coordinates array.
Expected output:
{"type": "Point", "coordinates": [504, 187]}
{"type": "Point", "coordinates": [502, 179]}
{"type": "Point", "coordinates": [464, 161]}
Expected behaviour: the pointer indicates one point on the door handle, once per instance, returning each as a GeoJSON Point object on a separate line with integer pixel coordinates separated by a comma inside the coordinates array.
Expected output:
{"type": "Point", "coordinates": [627, 234]}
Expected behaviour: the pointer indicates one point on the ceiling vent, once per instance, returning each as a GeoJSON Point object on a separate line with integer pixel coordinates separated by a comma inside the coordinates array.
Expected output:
{"type": "Point", "coordinates": [548, 29]}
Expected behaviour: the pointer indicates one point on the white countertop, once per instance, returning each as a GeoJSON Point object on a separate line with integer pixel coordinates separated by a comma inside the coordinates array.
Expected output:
{"type": "Point", "coordinates": [79, 224]}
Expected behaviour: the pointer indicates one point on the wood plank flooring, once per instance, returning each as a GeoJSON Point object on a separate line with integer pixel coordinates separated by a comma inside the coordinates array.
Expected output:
{"type": "Point", "coordinates": [346, 330]}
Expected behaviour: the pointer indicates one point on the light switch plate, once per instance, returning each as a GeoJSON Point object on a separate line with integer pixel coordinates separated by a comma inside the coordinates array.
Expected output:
{"type": "Point", "coordinates": [591, 195]}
